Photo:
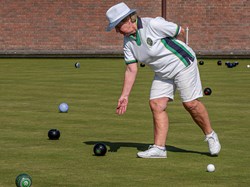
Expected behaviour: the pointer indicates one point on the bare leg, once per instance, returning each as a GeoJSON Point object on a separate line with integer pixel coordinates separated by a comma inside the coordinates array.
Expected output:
{"type": "Point", "coordinates": [160, 119]}
{"type": "Point", "coordinates": [199, 114]}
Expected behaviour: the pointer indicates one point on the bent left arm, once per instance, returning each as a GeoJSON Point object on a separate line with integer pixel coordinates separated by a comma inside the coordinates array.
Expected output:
{"type": "Point", "coordinates": [182, 35]}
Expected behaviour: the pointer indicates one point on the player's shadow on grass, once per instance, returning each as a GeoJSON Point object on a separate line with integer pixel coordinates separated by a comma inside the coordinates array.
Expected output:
{"type": "Point", "coordinates": [114, 146]}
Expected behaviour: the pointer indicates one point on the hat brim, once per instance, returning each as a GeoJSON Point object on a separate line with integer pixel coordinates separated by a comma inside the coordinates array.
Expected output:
{"type": "Point", "coordinates": [113, 24]}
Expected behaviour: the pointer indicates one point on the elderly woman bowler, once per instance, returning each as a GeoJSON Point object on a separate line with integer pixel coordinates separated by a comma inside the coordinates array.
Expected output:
{"type": "Point", "coordinates": [160, 45]}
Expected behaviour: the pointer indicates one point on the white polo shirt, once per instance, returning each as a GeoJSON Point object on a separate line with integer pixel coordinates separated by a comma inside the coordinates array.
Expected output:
{"type": "Point", "coordinates": [156, 46]}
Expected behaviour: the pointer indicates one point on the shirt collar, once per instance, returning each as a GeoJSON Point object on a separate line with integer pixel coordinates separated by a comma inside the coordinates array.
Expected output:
{"type": "Point", "coordinates": [139, 23]}
{"type": "Point", "coordinates": [139, 26]}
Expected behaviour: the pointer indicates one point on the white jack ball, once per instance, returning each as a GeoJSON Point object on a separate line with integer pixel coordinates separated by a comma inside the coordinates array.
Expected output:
{"type": "Point", "coordinates": [210, 168]}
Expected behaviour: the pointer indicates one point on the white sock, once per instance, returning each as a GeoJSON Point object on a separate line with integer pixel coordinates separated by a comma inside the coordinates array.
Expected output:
{"type": "Point", "coordinates": [160, 147]}
{"type": "Point", "coordinates": [209, 135]}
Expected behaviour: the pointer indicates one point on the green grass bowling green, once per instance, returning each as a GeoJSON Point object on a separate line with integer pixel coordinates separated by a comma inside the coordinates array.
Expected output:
{"type": "Point", "coordinates": [32, 89]}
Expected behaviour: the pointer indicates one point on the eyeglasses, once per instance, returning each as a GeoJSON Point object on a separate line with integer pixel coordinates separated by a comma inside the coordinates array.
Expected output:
{"type": "Point", "coordinates": [121, 23]}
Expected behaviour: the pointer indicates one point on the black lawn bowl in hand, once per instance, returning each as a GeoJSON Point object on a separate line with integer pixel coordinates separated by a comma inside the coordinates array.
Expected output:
{"type": "Point", "coordinates": [219, 63]}
{"type": "Point", "coordinates": [23, 180]}
{"type": "Point", "coordinates": [201, 62]}
{"type": "Point", "coordinates": [54, 134]}
{"type": "Point", "coordinates": [142, 65]}
{"type": "Point", "coordinates": [100, 149]}
{"type": "Point", "coordinates": [207, 91]}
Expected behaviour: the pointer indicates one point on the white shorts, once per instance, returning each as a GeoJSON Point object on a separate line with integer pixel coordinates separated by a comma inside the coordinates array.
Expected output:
{"type": "Point", "coordinates": [187, 82]}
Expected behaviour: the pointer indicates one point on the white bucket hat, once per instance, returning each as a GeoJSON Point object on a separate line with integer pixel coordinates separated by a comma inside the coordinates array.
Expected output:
{"type": "Point", "coordinates": [117, 13]}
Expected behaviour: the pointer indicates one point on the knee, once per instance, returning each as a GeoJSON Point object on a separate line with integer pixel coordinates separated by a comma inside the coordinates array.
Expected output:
{"type": "Point", "coordinates": [191, 105]}
{"type": "Point", "coordinates": [158, 105]}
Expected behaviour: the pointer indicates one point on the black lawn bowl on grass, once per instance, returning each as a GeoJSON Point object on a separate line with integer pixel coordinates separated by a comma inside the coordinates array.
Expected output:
{"type": "Point", "coordinates": [77, 65]}
{"type": "Point", "coordinates": [219, 63]}
{"type": "Point", "coordinates": [235, 64]}
{"type": "Point", "coordinates": [54, 134]}
{"type": "Point", "coordinates": [142, 65]}
{"type": "Point", "coordinates": [201, 62]}
{"type": "Point", "coordinates": [207, 91]}
{"type": "Point", "coordinates": [232, 64]}
{"type": "Point", "coordinates": [23, 180]}
{"type": "Point", "coordinates": [100, 149]}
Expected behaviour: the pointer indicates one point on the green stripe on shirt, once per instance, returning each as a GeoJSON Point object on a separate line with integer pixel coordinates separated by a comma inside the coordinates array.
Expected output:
{"type": "Point", "coordinates": [177, 31]}
{"type": "Point", "coordinates": [175, 52]}
{"type": "Point", "coordinates": [131, 61]}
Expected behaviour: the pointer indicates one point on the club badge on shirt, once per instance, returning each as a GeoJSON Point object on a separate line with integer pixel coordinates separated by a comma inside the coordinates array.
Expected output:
{"type": "Point", "coordinates": [149, 41]}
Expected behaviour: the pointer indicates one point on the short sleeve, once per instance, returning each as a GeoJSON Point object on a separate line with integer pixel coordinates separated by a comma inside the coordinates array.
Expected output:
{"type": "Point", "coordinates": [128, 54]}
{"type": "Point", "coordinates": [163, 28]}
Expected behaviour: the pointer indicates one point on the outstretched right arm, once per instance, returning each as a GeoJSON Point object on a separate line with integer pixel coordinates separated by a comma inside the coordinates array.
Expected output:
{"type": "Point", "coordinates": [129, 79]}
